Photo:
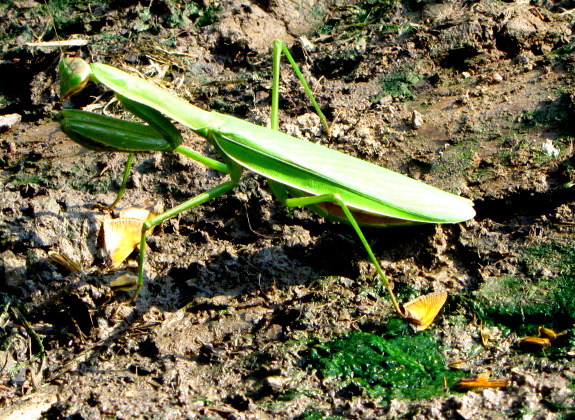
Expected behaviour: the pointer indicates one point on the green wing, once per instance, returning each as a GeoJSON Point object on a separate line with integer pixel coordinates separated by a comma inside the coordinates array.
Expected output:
{"type": "Point", "coordinates": [317, 170]}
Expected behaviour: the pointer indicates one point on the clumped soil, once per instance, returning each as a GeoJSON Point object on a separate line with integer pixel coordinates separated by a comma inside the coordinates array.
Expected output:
{"type": "Point", "coordinates": [243, 298]}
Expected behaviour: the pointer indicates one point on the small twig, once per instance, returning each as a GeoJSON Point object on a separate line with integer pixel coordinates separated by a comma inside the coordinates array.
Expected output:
{"type": "Point", "coordinates": [65, 43]}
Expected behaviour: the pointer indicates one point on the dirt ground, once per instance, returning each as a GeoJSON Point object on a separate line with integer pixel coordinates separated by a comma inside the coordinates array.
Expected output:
{"type": "Point", "coordinates": [244, 300]}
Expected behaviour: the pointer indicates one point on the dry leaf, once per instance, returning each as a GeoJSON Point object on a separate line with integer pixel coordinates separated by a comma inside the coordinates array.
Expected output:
{"type": "Point", "coordinates": [481, 381]}
{"type": "Point", "coordinates": [124, 282]}
{"type": "Point", "coordinates": [65, 261]}
{"type": "Point", "coordinates": [421, 312]}
{"type": "Point", "coordinates": [120, 237]}
{"type": "Point", "coordinates": [534, 343]}
{"type": "Point", "coordinates": [549, 333]}
{"type": "Point", "coordinates": [137, 213]}
{"type": "Point", "coordinates": [542, 341]}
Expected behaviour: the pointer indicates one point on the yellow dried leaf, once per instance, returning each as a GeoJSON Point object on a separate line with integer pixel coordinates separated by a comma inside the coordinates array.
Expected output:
{"type": "Point", "coordinates": [481, 381]}
{"type": "Point", "coordinates": [65, 261]}
{"type": "Point", "coordinates": [124, 282]}
{"type": "Point", "coordinates": [136, 213]}
{"type": "Point", "coordinates": [534, 343]}
{"type": "Point", "coordinates": [549, 333]}
{"type": "Point", "coordinates": [120, 237]}
{"type": "Point", "coordinates": [421, 312]}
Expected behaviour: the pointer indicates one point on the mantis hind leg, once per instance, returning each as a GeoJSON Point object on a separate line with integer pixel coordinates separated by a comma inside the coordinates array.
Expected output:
{"type": "Point", "coordinates": [279, 190]}
{"type": "Point", "coordinates": [336, 199]}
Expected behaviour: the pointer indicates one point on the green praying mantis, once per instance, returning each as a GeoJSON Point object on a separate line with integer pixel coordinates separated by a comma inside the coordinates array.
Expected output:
{"type": "Point", "coordinates": [299, 173]}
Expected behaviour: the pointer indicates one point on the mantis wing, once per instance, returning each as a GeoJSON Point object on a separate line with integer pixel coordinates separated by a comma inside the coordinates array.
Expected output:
{"type": "Point", "coordinates": [317, 170]}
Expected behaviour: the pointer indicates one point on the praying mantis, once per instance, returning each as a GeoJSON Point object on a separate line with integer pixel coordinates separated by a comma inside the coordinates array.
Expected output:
{"type": "Point", "coordinates": [299, 173]}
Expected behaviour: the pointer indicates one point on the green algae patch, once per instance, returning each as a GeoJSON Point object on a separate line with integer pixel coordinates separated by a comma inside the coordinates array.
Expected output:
{"type": "Point", "coordinates": [543, 295]}
{"type": "Point", "coordinates": [399, 84]}
{"type": "Point", "coordinates": [395, 364]}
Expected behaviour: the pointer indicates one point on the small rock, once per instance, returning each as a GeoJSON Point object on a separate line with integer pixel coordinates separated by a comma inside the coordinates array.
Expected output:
{"type": "Point", "coordinates": [437, 12]}
{"type": "Point", "coordinates": [8, 121]}
{"type": "Point", "coordinates": [496, 77]}
{"type": "Point", "coordinates": [310, 125]}
{"type": "Point", "coordinates": [306, 44]}
{"type": "Point", "coordinates": [14, 269]}
{"type": "Point", "coordinates": [544, 272]}
{"type": "Point", "coordinates": [416, 120]}
{"type": "Point", "coordinates": [387, 99]}
{"type": "Point", "coordinates": [549, 149]}
{"type": "Point", "coordinates": [43, 206]}
{"type": "Point", "coordinates": [275, 383]}
{"type": "Point", "coordinates": [31, 407]}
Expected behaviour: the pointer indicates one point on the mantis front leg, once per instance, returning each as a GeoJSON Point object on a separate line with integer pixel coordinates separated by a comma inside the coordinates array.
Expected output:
{"type": "Point", "coordinates": [105, 133]}
{"type": "Point", "coordinates": [125, 178]}
{"type": "Point", "coordinates": [102, 133]}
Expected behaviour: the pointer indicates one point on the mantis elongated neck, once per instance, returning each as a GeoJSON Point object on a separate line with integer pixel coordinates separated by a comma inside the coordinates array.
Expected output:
{"type": "Point", "coordinates": [149, 94]}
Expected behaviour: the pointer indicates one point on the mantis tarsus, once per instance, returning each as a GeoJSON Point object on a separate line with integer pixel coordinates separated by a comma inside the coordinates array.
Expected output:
{"type": "Point", "coordinates": [299, 173]}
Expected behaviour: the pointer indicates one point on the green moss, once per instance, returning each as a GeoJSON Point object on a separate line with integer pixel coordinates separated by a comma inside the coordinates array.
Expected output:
{"type": "Point", "coordinates": [312, 414]}
{"type": "Point", "coordinates": [524, 302]}
{"type": "Point", "coordinates": [450, 169]}
{"type": "Point", "coordinates": [555, 114]}
{"type": "Point", "coordinates": [357, 16]}
{"type": "Point", "coordinates": [564, 50]}
{"type": "Point", "coordinates": [30, 170]}
{"type": "Point", "coordinates": [87, 179]}
{"type": "Point", "coordinates": [372, 11]}
{"type": "Point", "coordinates": [206, 15]}
{"type": "Point", "coordinates": [398, 84]}
{"type": "Point", "coordinates": [393, 364]}
{"type": "Point", "coordinates": [66, 12]}
{"type": "Point", "coordinates": [175, 14]}
{"type": "Point", "coordinates": [28, 179]}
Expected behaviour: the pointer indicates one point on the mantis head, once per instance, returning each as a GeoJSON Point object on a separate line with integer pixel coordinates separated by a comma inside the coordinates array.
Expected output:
{"type": "Point", "coordinates": [74, 74]}
{"type": "Point", "coordinates": [102, 133]}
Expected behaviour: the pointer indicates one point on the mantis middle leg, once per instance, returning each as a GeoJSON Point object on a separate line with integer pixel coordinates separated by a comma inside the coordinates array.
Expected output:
{"type": "Point", "coordinates": [187, 205]}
